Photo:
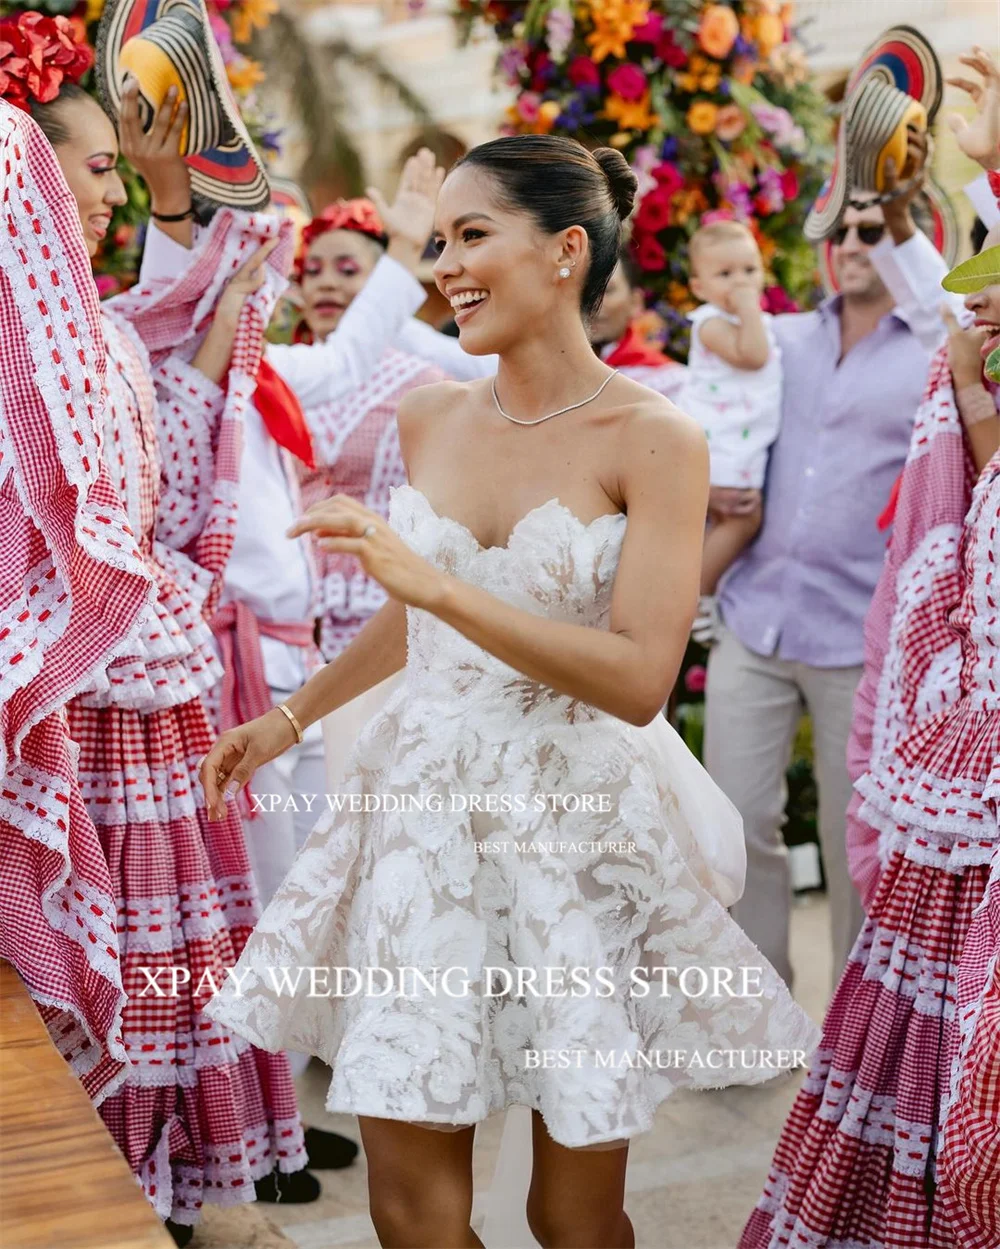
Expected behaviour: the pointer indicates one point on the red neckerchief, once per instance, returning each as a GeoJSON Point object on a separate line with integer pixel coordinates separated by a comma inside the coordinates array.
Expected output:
{"type": "Point", "coordinates": [635, 350]}
{"type": "Point", "coordinates": [282, 414]}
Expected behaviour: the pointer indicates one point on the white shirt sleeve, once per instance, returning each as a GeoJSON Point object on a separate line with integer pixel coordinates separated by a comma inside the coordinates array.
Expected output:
{"type": "Point", "coordinates": [419, 339]}
{"type": "Point", "coordinates": [984, 201]}
{"type": "Point", "coordinates": [326, 371]}
{"type": "Point", "coordinates": [912, 272]}
{"type": "Point", "coordinates": [162, 256]}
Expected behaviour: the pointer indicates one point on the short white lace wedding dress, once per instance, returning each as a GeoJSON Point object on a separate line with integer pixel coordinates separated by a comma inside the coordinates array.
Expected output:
{"type": "Point", "coordinates": [535, 925]}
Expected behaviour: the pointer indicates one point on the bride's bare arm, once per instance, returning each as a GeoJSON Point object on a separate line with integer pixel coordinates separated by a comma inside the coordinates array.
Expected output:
{"type": "Point", "coordinates": [628, 669]}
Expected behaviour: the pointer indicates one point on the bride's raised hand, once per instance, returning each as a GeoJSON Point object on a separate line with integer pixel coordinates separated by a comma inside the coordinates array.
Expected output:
{"type": "Point", "coordinates": [343, 524]}
{"type": "Point", "coordinates": [238, 753]}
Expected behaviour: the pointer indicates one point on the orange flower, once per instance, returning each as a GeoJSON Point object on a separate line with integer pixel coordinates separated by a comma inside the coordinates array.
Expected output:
{"type": "Point", "coordinates": [614, 21]}
{"type": "Point", "coordinates": [94, 10]}
{"type": "Point", "coordinates": [630, 114]}
{"type": "Point", "coordinates": [251, 13]}
{"type": "Point", "coordinates": [701, 117]}
{"type": "Point", "coordinates": [687, 82]}
{"type": "Point", "coordinates": [244, 74]}
{"type": "Point", "coordinates": [709, 81]}
{"type": "Point", "coordinates": [718, 30]}
{"type": "Point", "coordinates": [769, 33]}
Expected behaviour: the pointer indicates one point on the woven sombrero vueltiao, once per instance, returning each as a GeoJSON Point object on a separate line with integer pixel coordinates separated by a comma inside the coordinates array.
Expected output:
{"type": "Point", "coordinates": [896, 83]}
{"type": "Point", "coordinates": [169, 43]}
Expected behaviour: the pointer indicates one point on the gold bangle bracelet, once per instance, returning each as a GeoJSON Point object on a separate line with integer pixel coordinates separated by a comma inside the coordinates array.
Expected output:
{"type": "Point", "coordinates": [292, 720]}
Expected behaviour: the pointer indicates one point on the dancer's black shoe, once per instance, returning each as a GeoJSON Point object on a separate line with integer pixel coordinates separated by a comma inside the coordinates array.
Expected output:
{"type": "Point", "coordinates": [180, 1233]}
{"type": "Point", "coordinates": [329, 1151]}
{"type": "Point", "coordinates": [295, 1188]}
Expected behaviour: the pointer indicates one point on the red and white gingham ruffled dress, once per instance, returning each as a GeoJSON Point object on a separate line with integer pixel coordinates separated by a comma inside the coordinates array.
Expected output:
{"type": "Point", "coordinates": [356, 446]}
{"type": "Point", "coordinates": [72, 588]}
{"type": "Point", "coordinates": [856, 1164]}
{"type": "Point", "coordinates": [202, 1114]}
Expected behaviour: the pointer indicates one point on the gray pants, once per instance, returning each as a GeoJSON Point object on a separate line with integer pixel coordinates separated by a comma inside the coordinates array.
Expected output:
{"type": "Point", "coordinates": [753, 706]}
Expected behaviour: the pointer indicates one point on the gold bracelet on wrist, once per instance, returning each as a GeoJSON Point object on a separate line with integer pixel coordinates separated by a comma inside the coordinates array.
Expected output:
{"type": "Point", "coordinates": [292, 720]}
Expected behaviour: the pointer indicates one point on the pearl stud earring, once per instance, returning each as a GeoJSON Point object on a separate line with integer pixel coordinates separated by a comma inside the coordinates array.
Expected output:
{"type": "Point", "coordinates": [564, 272]}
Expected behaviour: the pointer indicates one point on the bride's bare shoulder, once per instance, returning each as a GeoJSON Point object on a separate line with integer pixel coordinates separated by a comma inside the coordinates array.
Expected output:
{"type": "Point", "coordinates": [424, 408]}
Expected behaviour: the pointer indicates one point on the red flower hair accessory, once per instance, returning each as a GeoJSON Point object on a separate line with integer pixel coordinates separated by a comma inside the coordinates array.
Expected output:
{"type": "Point", "coordinates": [38, 54]}
{"type": "Point", "coordinates": [346, 214]}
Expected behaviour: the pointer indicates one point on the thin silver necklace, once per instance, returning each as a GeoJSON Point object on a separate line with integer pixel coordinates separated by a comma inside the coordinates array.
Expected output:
{"type": "Point", "coordinates": [570, 408]}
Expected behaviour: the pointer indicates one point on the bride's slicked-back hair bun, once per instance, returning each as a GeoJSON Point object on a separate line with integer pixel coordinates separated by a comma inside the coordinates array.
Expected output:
{"type": "Point", "coordinates": [559, 183]}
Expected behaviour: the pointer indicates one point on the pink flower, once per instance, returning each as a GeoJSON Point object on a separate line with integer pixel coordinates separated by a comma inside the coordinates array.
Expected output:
{"type": "Point", "coordinates": [694, 679]}
{"type": "Point", "coordinates": [716, 214]}
{"type": "Point", "coordinates": [669, 177]}
{"type": "Point", "coordinates": [106, 285]}
{"type": "Point", "coordinates": [650, 31]}
{"type": "Point", "coordinates": [654, 211]}
{"type": "Point", "coordinates": [730, 122]}
{"type": "Point", "coordinates": [559, 27]}
{"type": "Point", "coordinates": [650, 254]}
{"type": "Point", "coordinates": [583, 72]}
{"type": "Point", "coordinates": [669, 53]}
{"type": "Point", "coordinates": [628, 81]}
{"type": "Point", "coordinates": [790, 184]}
{"type": "Point", "coordinates": [528, 104]}
{"type": "Point", "coordinates": [776, 300]}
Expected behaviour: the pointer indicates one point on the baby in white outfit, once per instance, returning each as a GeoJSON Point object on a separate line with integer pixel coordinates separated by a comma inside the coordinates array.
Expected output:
{"type": "Point", "coordinates": [732, 387]}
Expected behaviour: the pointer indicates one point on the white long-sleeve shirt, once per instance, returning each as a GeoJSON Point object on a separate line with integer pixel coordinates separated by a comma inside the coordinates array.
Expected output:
{"type": "Point", "coordinates": [266, 570]}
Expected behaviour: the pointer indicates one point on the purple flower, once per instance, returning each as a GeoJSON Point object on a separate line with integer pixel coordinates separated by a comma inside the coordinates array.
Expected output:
{"type": "Point", "coordinates": [559, 27]}
{"type": "Point", "coordinates": [512, 62]}
{"type": "Point", "coordinates": [669, 149]}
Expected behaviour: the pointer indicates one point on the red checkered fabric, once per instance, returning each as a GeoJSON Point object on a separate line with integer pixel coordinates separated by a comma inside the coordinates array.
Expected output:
{"type": "Point", "coordinates": [201, 1114]}
{"type": "Point", "coordinates": [356, 444]}
{"type": "Point", "coordinates": [970, 1154]}
{"type": "Point", "coordinates": [72, 587]}
{"type": "Point", "coordinates": [858, 1160]}
{"type": "Point", "coordinates": [198, 514]}
{"type": "Point", "coordinates": [912, 654]}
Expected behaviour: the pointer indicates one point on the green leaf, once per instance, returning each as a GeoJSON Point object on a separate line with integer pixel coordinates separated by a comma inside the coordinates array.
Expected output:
{"type": "Point", "coordinates": [975, 273]}
{"type": "Point", "coordinates": [992, 366]}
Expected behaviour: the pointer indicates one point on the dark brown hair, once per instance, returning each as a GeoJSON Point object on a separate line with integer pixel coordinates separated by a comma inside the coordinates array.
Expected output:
{"type": "Point", "coordinates": [51, 117]}
{"type": "Point", "coordinates": [559, 183]}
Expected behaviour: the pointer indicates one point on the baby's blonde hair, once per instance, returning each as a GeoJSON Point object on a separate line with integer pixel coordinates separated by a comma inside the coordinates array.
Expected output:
{"type": "Point", "coordinates": [716, 232]}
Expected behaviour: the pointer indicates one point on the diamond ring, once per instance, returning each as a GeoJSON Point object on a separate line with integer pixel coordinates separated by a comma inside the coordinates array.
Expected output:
{"type": "Point", "coordinates": [369, 530]}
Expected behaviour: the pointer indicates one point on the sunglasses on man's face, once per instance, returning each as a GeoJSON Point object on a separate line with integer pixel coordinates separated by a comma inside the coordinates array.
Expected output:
{"type": "Point", "coordinates": [868, 234]}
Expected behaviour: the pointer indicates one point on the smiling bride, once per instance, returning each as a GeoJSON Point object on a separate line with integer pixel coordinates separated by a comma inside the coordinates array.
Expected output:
{"type": "Point", "coordinates": [542, 564]}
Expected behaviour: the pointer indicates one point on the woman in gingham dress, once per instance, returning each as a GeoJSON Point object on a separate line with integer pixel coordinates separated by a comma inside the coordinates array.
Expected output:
{"type": "Point", "coordinates": [859, 1162]}
{"type": "Point", "coordinates": [201, 1115]}
{"type": "Point", "coordinates": [73, 587]}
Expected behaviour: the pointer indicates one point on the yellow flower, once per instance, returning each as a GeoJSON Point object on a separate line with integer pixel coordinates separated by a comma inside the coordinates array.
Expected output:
{"type": "Point", "coordinates": [687, 82]}
{"type": "Point", "coordinates": [94, 10]}
{"type": "Point", "coordinates": [630, 114]}
{"type": "Point", "coordinates": [709, 81]}
{"type": "Point", "coordinates": [249, 14]}
{"type": "Point", "coordinates": [244, 75]}
{"type": "Point", "coordinates": [701, 117]}
{"type": "Point", "coordinates": [547, 115]}
{"type": "Point", "coordinates": [769, 33]}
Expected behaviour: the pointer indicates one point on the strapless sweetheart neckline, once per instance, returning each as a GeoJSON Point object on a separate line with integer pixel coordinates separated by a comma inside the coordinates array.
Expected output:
{"type": "Point", "coordinates": [583, 526]}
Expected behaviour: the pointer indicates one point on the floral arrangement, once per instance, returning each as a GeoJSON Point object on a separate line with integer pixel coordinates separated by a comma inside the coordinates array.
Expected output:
{"type": "Point", "coordinates": [47, 42]}
{"type": "Point", "coordinates": [711, 105]}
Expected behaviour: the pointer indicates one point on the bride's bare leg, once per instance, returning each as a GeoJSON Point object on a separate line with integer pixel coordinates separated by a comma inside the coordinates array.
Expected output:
{"type": "Point", "coordinates": [419, 1185]}
{"type": "Point", "coordinates": [576, 1196]}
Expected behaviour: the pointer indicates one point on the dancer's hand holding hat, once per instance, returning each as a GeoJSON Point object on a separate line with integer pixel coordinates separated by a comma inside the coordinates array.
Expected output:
{"type": "Point", "coordinates": [979, 139]}
{"type": "Point", "coordinates": [903, 186]}
{"type": "Point", "coordinates": [155, 154]}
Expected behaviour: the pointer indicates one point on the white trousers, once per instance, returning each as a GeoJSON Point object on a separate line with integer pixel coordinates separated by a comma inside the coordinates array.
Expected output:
{"type": "Point", "coordinates": [752, 708]}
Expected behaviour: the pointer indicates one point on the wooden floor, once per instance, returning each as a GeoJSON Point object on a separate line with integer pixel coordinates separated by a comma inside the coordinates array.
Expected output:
{"type": "Point", "coordinates": [63, 1183]}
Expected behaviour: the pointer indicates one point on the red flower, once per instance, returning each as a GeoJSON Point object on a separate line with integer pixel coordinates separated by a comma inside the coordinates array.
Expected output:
{"type": "Point", "coordinates": [668, 176]}
{"type": "Point", "coordinates": [583, 72]}
{"type": "Point", "coordinates": [763, 207]}
{"type": "Point", "coordinates": [628, 81]}
{"type": "Point", "coordinates": [654, 211]}
{"type": "Point", "coordinates": [777, 300]}
{"type": "Point", "coordinates": [790, 184]}
{"type": "Point", "coordinates": [37, 54]}
{"type": "Point", "coordinates": [650, 31]}
{"type": "Point", "coordinates": [669, 53]}
{"type": "Point", "coordinates": [694, 679]}
{"type": "Point", "coordinates": [650, 254]}
{"type": "Point", "coordinates": [538, 67]}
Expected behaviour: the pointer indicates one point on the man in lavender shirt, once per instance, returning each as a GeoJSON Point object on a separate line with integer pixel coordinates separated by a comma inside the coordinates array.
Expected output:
{"type": "Point", "coordinates": [793, 606]}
